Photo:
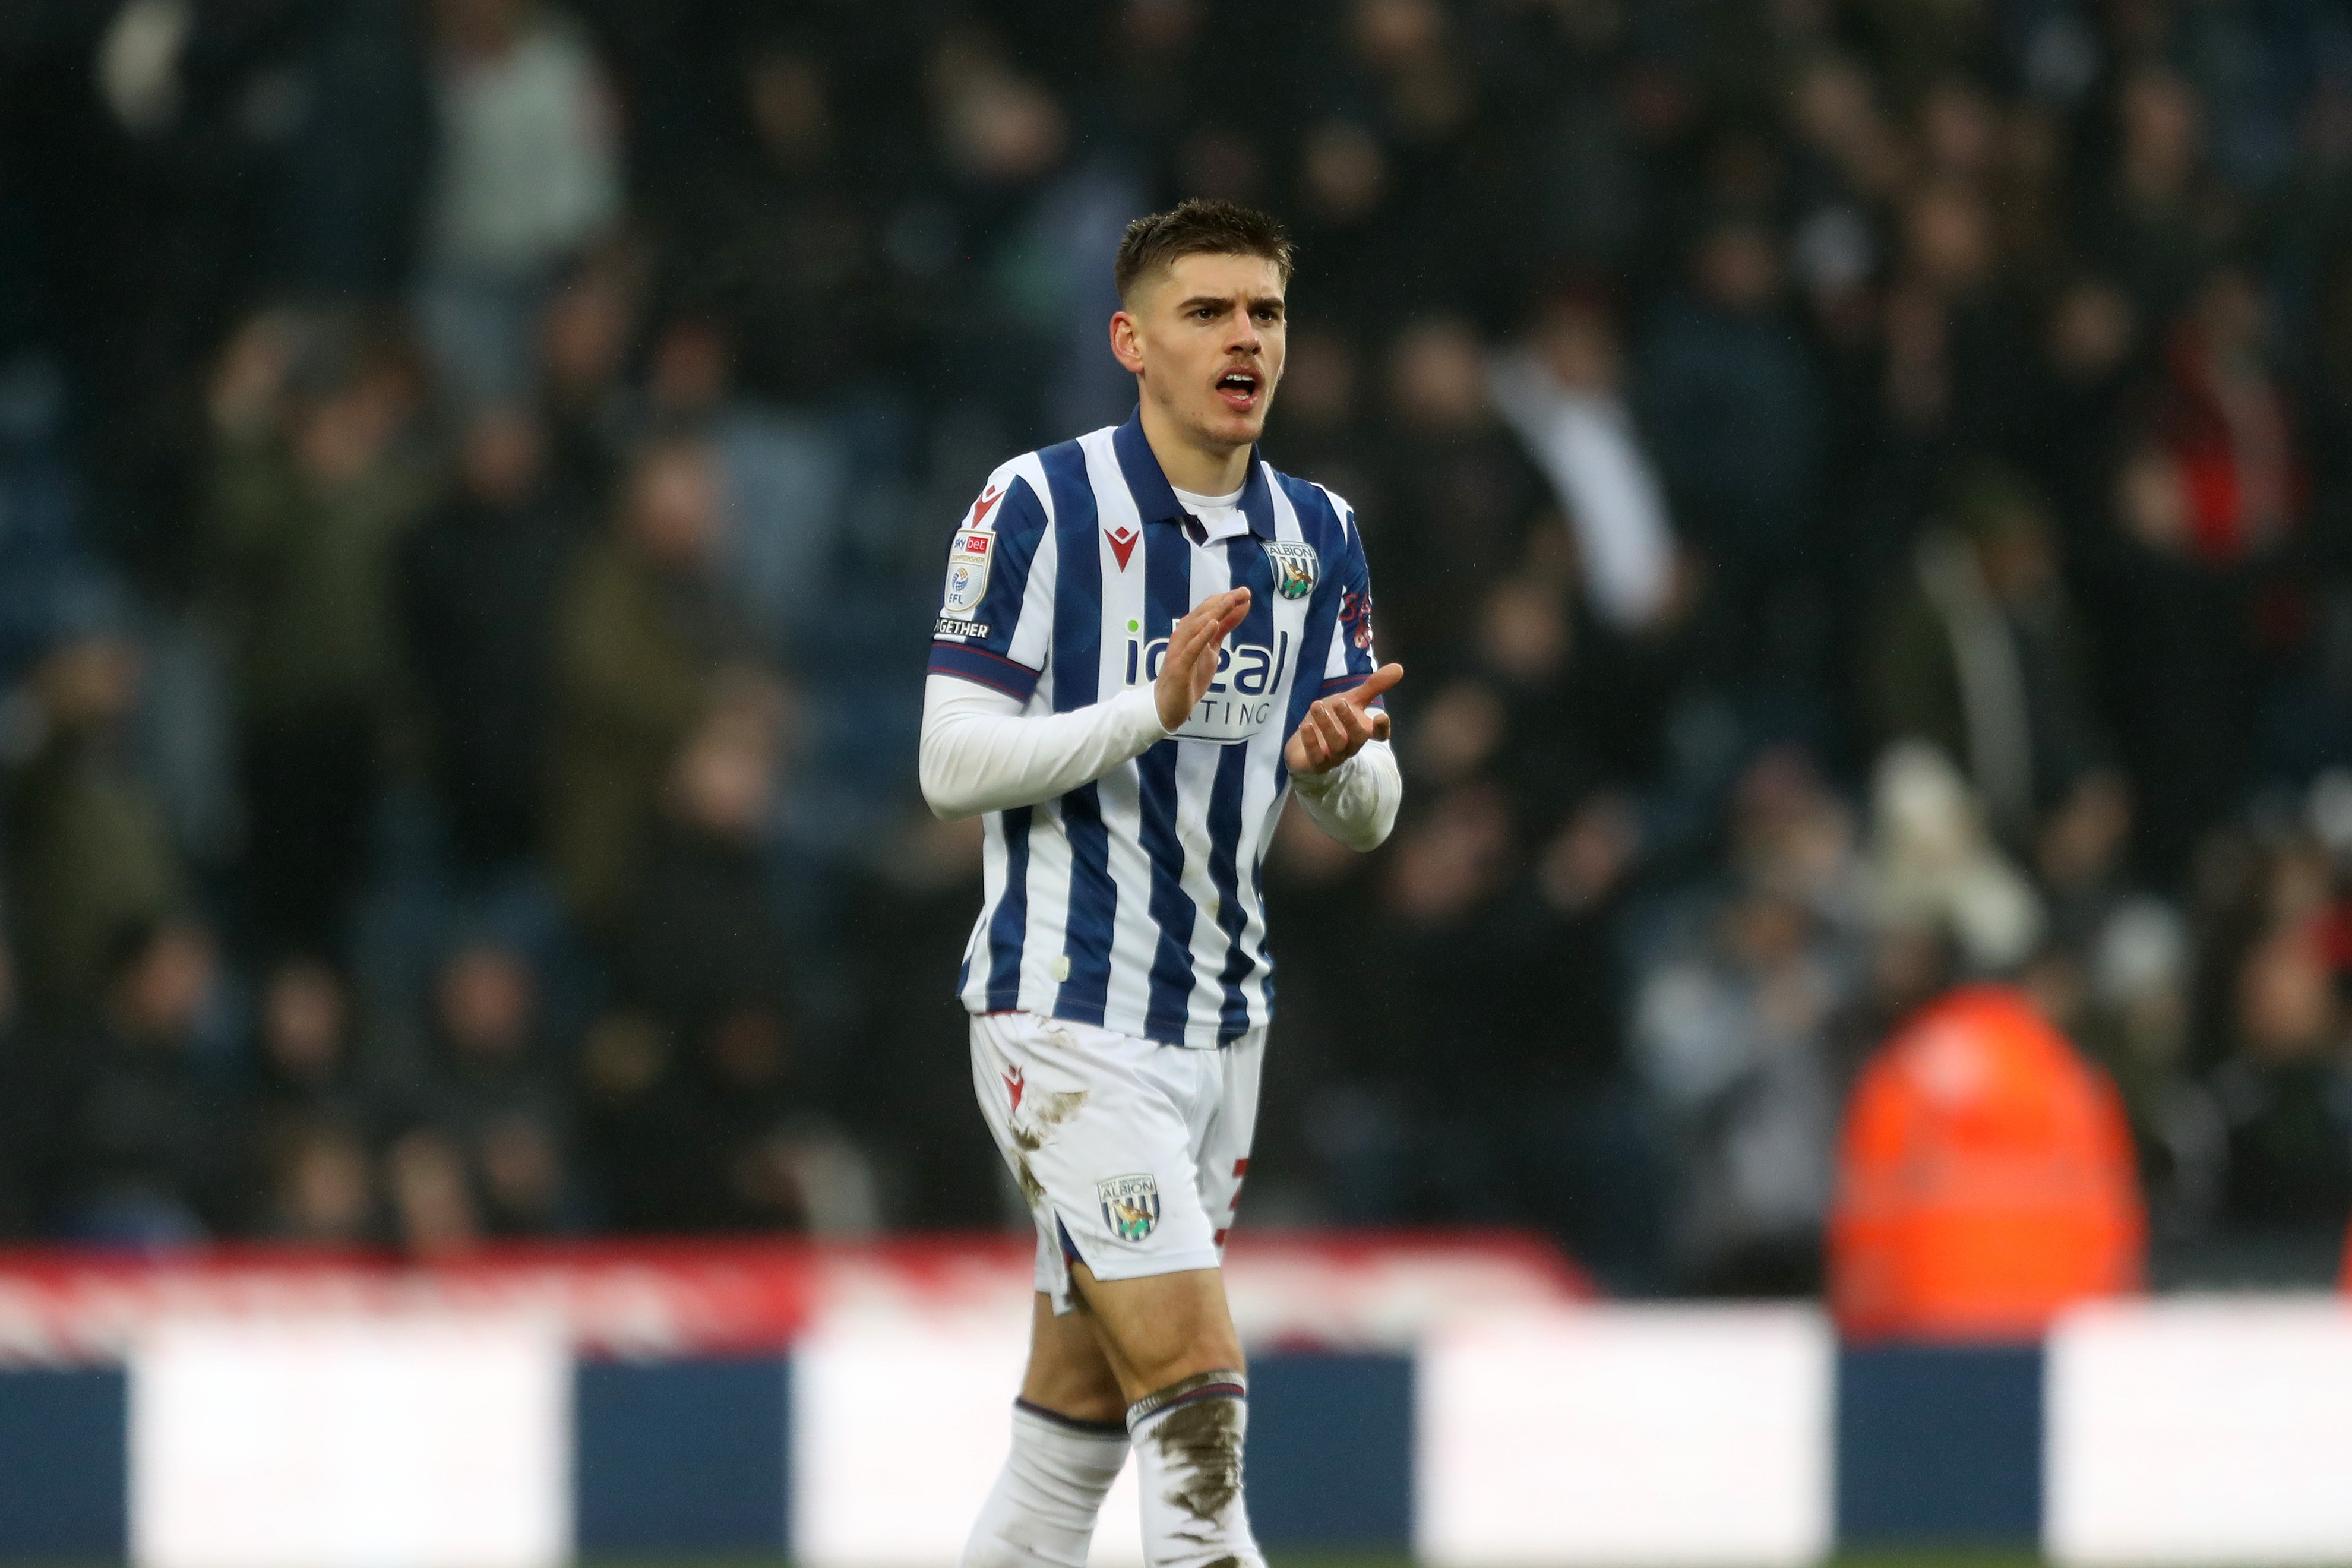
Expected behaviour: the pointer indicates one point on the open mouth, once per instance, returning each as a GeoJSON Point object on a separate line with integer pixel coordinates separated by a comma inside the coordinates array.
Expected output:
{"type": "Point", "coordinates": [1239, 388]}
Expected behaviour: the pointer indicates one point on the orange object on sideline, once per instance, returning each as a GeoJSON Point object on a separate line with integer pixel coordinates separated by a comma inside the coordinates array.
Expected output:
{"type": "Point", "coordinates": [1986, 1179]}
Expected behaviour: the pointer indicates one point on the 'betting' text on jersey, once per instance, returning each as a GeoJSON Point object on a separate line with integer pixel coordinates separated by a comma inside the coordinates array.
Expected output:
{"type": "Point", "coordinates": [1138, 902]}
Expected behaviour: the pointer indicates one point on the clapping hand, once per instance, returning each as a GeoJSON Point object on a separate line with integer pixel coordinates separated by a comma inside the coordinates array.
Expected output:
{"type": "Point", "coordinates": [1339, 725]}
{"type": "Point", "coordinates": [1194, 644]}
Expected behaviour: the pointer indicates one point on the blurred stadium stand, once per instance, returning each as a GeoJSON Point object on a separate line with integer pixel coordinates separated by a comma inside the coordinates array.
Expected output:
{"type": "Point", "coordinates": [1863, 490]}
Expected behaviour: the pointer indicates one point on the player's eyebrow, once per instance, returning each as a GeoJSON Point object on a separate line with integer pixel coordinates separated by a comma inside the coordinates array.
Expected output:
{"type": "Point", "coordinates": [1220, 303]}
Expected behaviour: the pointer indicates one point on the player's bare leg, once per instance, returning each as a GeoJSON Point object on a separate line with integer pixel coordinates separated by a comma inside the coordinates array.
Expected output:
{"type": "Point", "coordinates": [1169, 1340]}
{"type": "Point", "coordinates": [1069, 1372]}
{"type": "Point", "coordinates": [1158, 1331]}
{"type": "Point", "coordinates": [1070, 1443]}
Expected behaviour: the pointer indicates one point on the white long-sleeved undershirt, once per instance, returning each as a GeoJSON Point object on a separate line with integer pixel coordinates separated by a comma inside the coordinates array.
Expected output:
{"type": "Point", "coordinates": [981, 754]}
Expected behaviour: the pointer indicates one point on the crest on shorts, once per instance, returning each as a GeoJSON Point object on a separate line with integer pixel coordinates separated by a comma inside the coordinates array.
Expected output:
{"type": "Point", "coordinates": [1294, 567]}
{"type": "Point", "coordinates": [968, 562]}
{"type": "Point", "coordinates": [1131, 1205]}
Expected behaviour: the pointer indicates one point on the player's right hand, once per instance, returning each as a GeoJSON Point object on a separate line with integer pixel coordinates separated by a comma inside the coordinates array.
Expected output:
{"type": "Point", "coordinates": [1192, 661]}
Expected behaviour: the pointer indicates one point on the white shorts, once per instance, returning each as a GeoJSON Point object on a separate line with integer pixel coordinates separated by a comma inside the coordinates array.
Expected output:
{"type": "Point", "coordinates": [1130, 1152]}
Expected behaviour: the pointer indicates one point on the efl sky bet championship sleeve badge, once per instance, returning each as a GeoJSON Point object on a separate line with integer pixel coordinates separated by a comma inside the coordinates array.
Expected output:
{"type": "Point", "coordinates": [1294, 569]}
{"type": "Point", "coordinates": [1131, 1205]}
{"type": "Point", "coordinates": [968, 562]}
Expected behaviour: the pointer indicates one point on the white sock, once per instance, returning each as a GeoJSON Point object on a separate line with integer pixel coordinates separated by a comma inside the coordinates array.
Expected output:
{"type": "Point", "coordinates": [1188, 1458]}
{"type": "Point", "coordinates": [1043, 1510]}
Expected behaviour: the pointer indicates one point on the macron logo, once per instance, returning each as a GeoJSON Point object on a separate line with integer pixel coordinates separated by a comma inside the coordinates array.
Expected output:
{"type": "Point", "coordinates": [1122, 543]}
{"type": "Point", "coordinates": [979, 508]}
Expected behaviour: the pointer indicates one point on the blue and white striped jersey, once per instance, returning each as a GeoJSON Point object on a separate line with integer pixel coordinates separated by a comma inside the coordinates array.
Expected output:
{"type": "Point", "coordinates": [1138, 902]}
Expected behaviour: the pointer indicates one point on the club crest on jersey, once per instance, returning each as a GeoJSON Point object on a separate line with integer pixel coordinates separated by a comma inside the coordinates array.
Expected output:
{"type": "Point", "coordinates": [968, 561]}
{"type": "Point", "coordinates": [1131, 1205]}
{"type": "Point", "coordinates": [1294, 569]}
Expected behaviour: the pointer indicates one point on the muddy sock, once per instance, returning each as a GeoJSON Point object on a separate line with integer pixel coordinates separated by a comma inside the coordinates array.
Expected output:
{"type": "Point", "coordinates": [1043, 1510]}
{"type": "Point", "coordinates": [1188, 1458]}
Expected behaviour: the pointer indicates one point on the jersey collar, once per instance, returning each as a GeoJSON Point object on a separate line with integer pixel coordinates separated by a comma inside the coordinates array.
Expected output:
{"type": "Point", "coordinates": [1155, 497]}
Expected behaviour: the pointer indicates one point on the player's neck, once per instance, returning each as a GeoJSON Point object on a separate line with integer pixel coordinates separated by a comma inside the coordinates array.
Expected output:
{"type": "Point", "coordinates": [1205, 470]}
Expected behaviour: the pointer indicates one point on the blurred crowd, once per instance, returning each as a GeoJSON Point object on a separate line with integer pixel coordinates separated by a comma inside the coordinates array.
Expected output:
{"type": "Point", "coordinates": [1862, 491]}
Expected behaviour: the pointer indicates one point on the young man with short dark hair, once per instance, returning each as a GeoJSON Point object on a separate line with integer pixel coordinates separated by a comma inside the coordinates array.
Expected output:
{"type": "Point", "coordinates": [1148, 639]}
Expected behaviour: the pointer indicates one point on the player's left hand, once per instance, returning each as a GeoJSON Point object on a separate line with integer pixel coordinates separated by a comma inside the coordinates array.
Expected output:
{"type": "Point", "coordinates": [1337, 727]}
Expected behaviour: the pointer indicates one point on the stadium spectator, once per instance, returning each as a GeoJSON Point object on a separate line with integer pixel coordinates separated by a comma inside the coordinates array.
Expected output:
{"type": "Point", "coordinates": [632, 1135]}
{"type": "Point", "coordinates": [776, 235]}
{"type": "Point", "coordinates": [784, 487]}
{"type": "Point", "coordinates": [477, 584]}
{"type": "Point", "coordinates": [702, 933]}
{"type": "Point", "coordinates": [1458, 497]}
{"type": "Point", "coordinates": [44, 567]}
{"type": "Point", "coordinates": [1735, 1041]}
{"type": "Point", "coordinates": [585, 336]}
{"type": "Point", "coordinates": [2284, 1092]}
{"type": "Point", "coordinates": [2114, 974]}
{"type": "Point", "coordinates": [1734, 1030]}
{"type": "Point", "coordinates": [316, 478]}
{"type": "Point", "coordinates": [758, 1156]}
{"type": "Point", "coordinates": [641, 633]}
{"type": "Point", "coordinates": [730, 1134]}
{"type": "Point", "coordinates": [1727, 385]}
{"type": "Point", "coordinates": [484, 1148]}
{"type": "Point", "coordinates": [314, 1119]}
{"type": "Point", "coordinates": [1319, 423]}
{"type": "Point", "coordinates": [1985, 1179]}
{"type": "Point", "coordinates": [1935, 868]}
{"type": "Point", "coordinates": [525, 175]}
{"type": "Point", "coordinates": [143, 1149]}
{"type": "Point", "coordinates": [321, 1187]}
{"type": "Point", "coordinates": [903, 920]}
{"type": "Point", "coordinates": [1984, 657]}
{"type": "Point", "coordinates": [308, 1066]}
{"type": "Point", "coordinates": [2162, 219]}
{"type": "Point", "coordinates": [1563, 393]}
{"type": "Point", "coordinates": [89, 853]}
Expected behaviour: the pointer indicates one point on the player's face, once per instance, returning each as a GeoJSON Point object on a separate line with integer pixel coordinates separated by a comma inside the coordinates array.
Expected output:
{"type": "Point", "coordinates": [1208, 340]}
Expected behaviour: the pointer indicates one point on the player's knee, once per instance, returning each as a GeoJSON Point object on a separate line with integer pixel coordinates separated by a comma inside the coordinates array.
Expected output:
{"type": "Point", "coordinates": [1084, 1399]}
{"type": "Point", "coordinates": [1160, 1367]}
{"type": "Point", "coordinates": [1081, 1385]}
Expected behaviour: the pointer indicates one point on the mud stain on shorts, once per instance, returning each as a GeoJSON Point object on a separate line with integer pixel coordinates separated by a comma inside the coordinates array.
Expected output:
{"type": "Point", "coordinates": [1202, 1443]}
{"type": "Point", "coordinates": [1053, 1110]}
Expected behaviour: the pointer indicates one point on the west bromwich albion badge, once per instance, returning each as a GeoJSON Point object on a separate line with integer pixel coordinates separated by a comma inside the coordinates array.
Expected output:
{"type": "Point", "coordinates": [1131, 1205]}
{"type": "Point", "coordinates": [1294, 569]}
{"type": "Point", "coordinates": [968, 562]}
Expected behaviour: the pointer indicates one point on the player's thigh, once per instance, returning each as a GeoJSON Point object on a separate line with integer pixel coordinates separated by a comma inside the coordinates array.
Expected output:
{"type": "Point", "coordinates": [1159, 1328]}
{"type": "Point", "coordinates": [1068, 1372]}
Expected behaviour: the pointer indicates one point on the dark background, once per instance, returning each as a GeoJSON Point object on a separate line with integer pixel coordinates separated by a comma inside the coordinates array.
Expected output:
{"type": "Point", "coordinates": [473, 480]}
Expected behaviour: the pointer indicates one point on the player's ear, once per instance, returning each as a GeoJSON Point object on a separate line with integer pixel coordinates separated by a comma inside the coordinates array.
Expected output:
{"type": "Point", "coordinates": [1126, 343]}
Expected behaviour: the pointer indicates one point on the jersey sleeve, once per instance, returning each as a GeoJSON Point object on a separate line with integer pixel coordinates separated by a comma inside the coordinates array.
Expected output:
{"type": "Point", "coordinates": [995, 606]}
{"type": "Point", "coordinates": [1351, 658]}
